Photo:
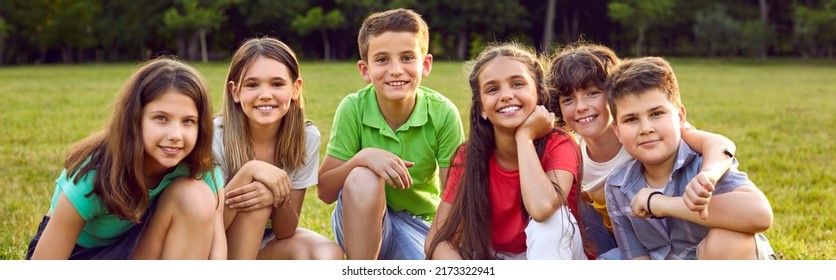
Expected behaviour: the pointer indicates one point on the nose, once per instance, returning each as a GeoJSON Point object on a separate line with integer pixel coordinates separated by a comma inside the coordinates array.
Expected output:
{"type": "Point", "coordinates": [646, 126]}
{"type": "Point", "coordinates": [175, 133]}
{"type": "Point", "coordinates": [581, 105]}
{"type": "Point", "coordinates": [505, 94]}
{"type": "Point", "coordinates": [396, 69]}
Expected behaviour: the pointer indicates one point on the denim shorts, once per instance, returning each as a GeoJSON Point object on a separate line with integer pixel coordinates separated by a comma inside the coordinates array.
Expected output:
{"type": "Point", "coordinates": [403, 234]}
{"type": "Point", "coordinates": [122, 249]}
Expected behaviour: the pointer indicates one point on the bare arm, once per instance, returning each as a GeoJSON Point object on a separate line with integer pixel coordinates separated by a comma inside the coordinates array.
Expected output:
{"type": "Point", "coordinates": [443, 251]}
{"type": "Point", "coordinates": [385, 164]}
{"type": "Point", "coordinates": [539, 196]}
{"type": "Point", "coordinates": [219, 248]}
{"type": "Point", "coordinates": [745, 209]}
{"type": "Point", "coordinates": [710, 145]}
{"type": "Point", "coordinates": [62, 231]}
{"type": "Point", "coordinates": [286, 218]}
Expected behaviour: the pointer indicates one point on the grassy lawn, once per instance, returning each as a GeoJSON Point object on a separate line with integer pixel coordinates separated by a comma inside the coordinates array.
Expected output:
{"type": "Point", "coordinates": [779, 112]}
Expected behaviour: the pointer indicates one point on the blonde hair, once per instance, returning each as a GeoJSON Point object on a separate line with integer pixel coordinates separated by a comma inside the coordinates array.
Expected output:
{"type": "Point", "coordinates": [238, 146]}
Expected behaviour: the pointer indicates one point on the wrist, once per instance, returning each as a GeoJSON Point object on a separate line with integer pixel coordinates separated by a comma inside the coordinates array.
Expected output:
{"type": "Point", "coordinates": [654, 206]}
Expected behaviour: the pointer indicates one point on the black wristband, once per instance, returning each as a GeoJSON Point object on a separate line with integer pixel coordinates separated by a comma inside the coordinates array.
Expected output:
{"type": "Point", "coordinates": [648, 204]}
{"type": "Point", "coordinates": [727, 153]}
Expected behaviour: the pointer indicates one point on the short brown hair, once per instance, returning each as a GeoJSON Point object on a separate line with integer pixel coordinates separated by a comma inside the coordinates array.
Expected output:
{"type": "Point", "coordinates": [577, 67]}
{"type": "Point", "coordinates": [635, 76]}
{"type": "Point", "coordinates": [396, 20]}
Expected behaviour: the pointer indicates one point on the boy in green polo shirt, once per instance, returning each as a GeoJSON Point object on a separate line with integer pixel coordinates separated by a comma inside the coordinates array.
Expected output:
{"type": "Point", "coordinates": [390, 144]}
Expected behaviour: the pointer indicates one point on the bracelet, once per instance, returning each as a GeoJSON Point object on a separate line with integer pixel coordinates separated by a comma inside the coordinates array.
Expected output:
{"type": "Point", "coordinates": [648, 204]}
{"type": "Point", "coordinates": [727, 153]}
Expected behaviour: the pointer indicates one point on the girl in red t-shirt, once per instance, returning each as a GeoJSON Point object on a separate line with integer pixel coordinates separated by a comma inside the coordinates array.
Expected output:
{"type": "Point", "coordinates": [515, 176]}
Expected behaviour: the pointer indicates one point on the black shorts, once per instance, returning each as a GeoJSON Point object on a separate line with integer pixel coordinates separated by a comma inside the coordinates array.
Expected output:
{"type": "Point", "coordinates": [122, 249]}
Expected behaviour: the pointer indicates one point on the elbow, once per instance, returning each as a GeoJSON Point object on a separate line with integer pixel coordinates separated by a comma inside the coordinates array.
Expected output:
{"type": "Point", "coordinates": [324, 195]}
{"type": "Point", "coordinates": [541, 214]}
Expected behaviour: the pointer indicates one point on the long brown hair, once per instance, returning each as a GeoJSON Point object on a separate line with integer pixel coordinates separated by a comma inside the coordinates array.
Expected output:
{"type": "Point", "coordinates": [238, 146]}
{"type": "Point", "coordinates": [470, 215]}
{"type": "Point", "coordinates": [116, 153]}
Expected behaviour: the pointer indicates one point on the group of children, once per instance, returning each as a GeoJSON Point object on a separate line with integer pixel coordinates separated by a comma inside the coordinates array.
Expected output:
{"type": "Point", "coordinates": [581, 157]}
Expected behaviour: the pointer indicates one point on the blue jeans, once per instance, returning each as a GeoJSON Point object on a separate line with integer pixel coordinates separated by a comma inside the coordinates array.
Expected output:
{"type": "Point", "coordinates": [605, 246]}
{"type": "Point", "coordinates": [403, 234]}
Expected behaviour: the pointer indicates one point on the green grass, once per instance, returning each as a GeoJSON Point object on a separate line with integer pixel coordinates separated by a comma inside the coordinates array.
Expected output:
{"type": "Point", "coordinates": [779, 112]}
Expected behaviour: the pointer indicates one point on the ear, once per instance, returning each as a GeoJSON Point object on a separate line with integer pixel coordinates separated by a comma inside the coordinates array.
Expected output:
{"type": "Point", "coordinates": [364, 70]}
{"type": "Point", "coordinates": [297, 89]}
{"type": "Point", "coordinates": [428, 65]}
{"type": "Point", "coordinates": [232, 90]}
{"type": "Point", "coordinates": [682, 120]}
{"type": "Point", "coordinates": [615, 129]}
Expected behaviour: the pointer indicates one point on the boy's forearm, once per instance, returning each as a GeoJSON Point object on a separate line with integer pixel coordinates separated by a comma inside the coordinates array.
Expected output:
{"type": "Point", "coordinates": [744, 210]}
{"type": "Point", "coordinates": [712, 146]}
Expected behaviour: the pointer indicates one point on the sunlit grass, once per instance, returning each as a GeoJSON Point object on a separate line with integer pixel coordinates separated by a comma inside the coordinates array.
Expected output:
{"type": "Point", "coordinates": [779, 112]}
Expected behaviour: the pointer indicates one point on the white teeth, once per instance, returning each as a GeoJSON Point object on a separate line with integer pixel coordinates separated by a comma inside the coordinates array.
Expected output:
{"type": "Point", "coordinates": [586, 120]}
{"type": "Point", "coordinates": [396, 84]}
{"type": "Point", "coordinates": [168, 149]}
{"type": "Point", "coordinates": [509, 109]}
{"type": "Point", "coordinates": [264, 108]}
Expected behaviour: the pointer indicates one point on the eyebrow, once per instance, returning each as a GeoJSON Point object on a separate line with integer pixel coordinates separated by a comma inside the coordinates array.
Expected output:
{"type": "Point", "coordinates": [251, 78]}
{"type": "Point", "coordinates": [160, 112]}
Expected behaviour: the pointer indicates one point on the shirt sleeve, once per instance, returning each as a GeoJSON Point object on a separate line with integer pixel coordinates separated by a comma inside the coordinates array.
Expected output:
{"type": "Point", "coordinates": [344, 141]}
{"type": "Point", "coordinates": [561, 153]}
{"type": "Point", "coordinates": [450, 136]}
{"type": "Point", "coordinates": [87, 206]}
{"type": "Point", "coordinates": [307, 174]}
{"type": "Point", "coordinates": [732, 179]}
{"type": "Point", "coordinates": [626, 238]}
{"type": "Point", "coordinates": [455, 176]}
{"type": "Point", "coordinates": [214, 178]}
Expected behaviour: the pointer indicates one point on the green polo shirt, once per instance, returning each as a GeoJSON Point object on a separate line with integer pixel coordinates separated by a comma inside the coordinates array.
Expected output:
{"type": "Point", "coordinates": [102, 228]}
{"type": "Point", "coordinates": [428, 138]}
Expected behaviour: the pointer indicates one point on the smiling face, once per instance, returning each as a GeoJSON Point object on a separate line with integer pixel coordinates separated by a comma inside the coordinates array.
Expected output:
{"type": "Point", "coordinates": [169, 131]}
{"type": "Point", "coordinates": [395, 65]}
{"type": "Point", "coordinates": [648, 125]}
{"type": "Point", "coordinates": [586, 111]}
{"type": "Point", "coordinates": [265, 92]}
{"type": "Point", "coordinates": [507, 92]}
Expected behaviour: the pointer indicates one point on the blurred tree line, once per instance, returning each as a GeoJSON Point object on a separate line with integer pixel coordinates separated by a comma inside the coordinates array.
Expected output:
{"type": "Point", "coordinates": [79, 31]}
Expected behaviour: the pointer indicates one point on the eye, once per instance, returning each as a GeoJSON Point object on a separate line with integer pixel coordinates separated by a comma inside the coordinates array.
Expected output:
{"type": "Point", "coordinates": [593, 93]}
{"type": "Point", "coordinates": [407, 58]}
{"type": "Point", "coordinates": [160, 118]}
{"type": "Point", "coordinates": [251, 85]}
{"type": "Point", "coordinates": [517, 84]}
{"type": "Point", "coordinates": [490, 90]}
{"type": "Point", "coordinates": [190, 122]}
{"type": "Point", "coordinates": [629, 119]}
{"type": "Point", "coordinates": [277, 84]}
{"type": "Point", "coordinates": [566, 100]}
{"type": "Point", "coordinates": [656, 113]}
{"type": "Point", "coordinates": [381, 60]}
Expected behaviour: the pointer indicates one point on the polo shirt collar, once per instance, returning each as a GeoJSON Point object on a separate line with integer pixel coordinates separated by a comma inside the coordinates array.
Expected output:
{"type": "Point", "coordinates": [373, 117]}
{"type": "Point", "coordinates": [630, 179]}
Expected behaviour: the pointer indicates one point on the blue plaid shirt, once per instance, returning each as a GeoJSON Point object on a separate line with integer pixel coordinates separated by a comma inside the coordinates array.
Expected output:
{"type": "Point", "coordinates": [667, 238]}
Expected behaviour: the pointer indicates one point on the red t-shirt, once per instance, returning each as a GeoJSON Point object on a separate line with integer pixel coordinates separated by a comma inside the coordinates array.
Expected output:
{"type": "Point", "coordinates": [508, 220]}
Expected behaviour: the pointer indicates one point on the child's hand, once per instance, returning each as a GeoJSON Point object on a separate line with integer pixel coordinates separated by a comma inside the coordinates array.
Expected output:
{"type": "Point", "coordinates": [274, 178]}
{"type": "Point", "coordinates": [388, 166]}
{"type": "Point", "coordinates": [698, 194]}
{"type": "Point", "coordinates": [537, 125]}
{"type": "Point", "coordinates": [249, 197]}
{"type": "Point", "coordinates": [639, 204]}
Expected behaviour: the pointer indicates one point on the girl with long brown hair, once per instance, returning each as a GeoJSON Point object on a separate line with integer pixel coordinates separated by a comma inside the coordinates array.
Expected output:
{"type": "Point", "coordinates": [143, 187]}
{"type": "Point", "coordinates": [513, 186]}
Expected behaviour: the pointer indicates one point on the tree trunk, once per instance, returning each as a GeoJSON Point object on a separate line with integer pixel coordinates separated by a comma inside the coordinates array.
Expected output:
{"type": "Point", "coordinates": [765, 19]}
{"type": "Point", "coordinates": [2, 49]}
{"type": "Point", "coordinates": [640, 39]}
{"type": "Point", "coordinates": [203, 55]}
{"type": "Point", "coordinates": [461, 45]}
{"type": "Point", "coordinates": [193, 47]}
{"type": "Point", "coordinates": [326, 44]}
{"type": "Point", "coordinates": [182, 48]}
{"type": "Point", "coordinates": [548, 28]}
